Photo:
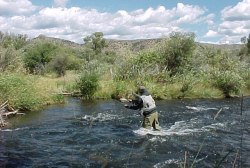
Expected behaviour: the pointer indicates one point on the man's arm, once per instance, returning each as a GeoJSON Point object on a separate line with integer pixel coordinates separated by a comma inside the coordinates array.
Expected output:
{"type": "Point", "coordinates": [135, 104]}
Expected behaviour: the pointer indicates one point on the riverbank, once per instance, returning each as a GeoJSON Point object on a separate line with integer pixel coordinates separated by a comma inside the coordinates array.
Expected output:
{"type": "Point", "coordinates": [31, 92]}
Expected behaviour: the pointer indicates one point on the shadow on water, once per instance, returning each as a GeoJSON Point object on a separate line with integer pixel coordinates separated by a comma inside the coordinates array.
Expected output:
{"type": "Point", "coordinates": [104, 134]}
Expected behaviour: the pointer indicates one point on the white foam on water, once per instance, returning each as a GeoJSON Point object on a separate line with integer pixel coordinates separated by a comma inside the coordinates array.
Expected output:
{"type": "Point", "coordinates": [144, 131]}
{"type": "Point", "coordinates": [166, 132]}
{"type": "Point", "coordinates": [167, 162]}
{"type": "Point", "coordinates": [15, 129]}
{"type": "Point", "coordinates": [106, 117]}
{"type": "Point", "coordinates": [215, 126]}
{"type": "Point", "coordinates": [180, 128]}
{"type": "Point", "coordinates": [200, 108]}
{"type": "Point", "coordinates": [160, 139]}
{"type": "Point", "coordinates": [101, 117]}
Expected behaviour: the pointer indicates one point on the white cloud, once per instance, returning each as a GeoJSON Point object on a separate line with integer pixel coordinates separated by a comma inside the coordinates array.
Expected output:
{"type": "Point", "coordinates": [16, 7]}
{"type": "Point", "coordinates": [235, 22]}
{"type": "Point", "coordinates": [210, 19]}
{"type": "Point", "coordinates": [229, 39]}
{"type": "Point", "coordinates": [73, 23]}
{"type": "Point", "coordinates": [234, 28]}
{"type": "Point", "coordinates": [60, 3]}
{"type": "Point", "coordinates": [240, 12]}
{"type": "Point", "coordinates": [188, 13]}
{"type": "Point", "coordinates": [211, 33]}
{"type": "Point", "coordinates": [209, 42]}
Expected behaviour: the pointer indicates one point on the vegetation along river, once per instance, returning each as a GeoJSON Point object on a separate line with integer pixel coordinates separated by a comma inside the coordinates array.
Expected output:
{"type": "Point", "coordinates": [195, 133]}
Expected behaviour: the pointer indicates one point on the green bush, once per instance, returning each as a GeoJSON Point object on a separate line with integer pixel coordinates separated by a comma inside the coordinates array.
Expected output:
{"type": "Point", "coordinates": [20, 91]}
{"type": "Point", "coordinates": [142, 66]}
{"type": "Point", "coordinates": [109, 57]}
{"type": "Point", "coordinates": [59, 64]}
{"type": "Point", "coordinates": [228, 82]}
{"type": "Point", "coordinates": [177, 51]}
{"type": "Point", "coordinates": [16, 41]}
{"type": "Point", "coordinates": [147, 58]}
{"type": "Point", "coordinates": [125, 71]}
{"type": "Point", "coordinates": [7, 58]}
{"type": "Point", "coordinates": [38, 56]}
{"type": "Point", "coordinates": [88, 85]}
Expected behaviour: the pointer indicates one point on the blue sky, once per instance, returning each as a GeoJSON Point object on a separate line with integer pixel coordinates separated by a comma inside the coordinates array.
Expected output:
{"type": "Point", "coordinates": [213, 21]}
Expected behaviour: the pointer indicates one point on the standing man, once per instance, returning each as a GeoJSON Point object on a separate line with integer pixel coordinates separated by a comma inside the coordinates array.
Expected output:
{"type": "Point", "coordinates": [145, 103]}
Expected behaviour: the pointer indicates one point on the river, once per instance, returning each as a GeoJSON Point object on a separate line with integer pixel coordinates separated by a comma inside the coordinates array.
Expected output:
{"type": "Point", "coordinates": [105, 134]}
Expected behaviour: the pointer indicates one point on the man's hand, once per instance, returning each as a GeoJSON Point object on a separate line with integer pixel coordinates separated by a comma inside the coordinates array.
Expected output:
{"type": "Point", "coordinates": [123, 100]}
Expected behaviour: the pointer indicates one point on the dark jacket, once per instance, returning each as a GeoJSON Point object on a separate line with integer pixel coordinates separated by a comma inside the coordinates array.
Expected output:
{"type": "Point", "coordinates": [137, 103]}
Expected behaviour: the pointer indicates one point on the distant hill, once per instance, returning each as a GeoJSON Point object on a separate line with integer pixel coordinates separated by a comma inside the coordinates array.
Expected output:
{"type": "Point", "coordinates": [57, 41]}
{"type": "Point", "coordinates": [133, 46]}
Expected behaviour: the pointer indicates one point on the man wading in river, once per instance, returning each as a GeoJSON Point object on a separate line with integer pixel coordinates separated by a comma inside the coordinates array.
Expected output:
{"type": "Point", "coordinates": [146, 105]}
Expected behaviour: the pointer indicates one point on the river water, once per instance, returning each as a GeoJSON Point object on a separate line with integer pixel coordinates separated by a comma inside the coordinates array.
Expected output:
{"type": "Point", "coordinates": [104, 134]}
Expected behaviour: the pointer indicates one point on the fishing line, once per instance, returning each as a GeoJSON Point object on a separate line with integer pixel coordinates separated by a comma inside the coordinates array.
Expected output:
{"type": "Point", "coordinates": [241, 125]}
{"type": "Point", "coordinates": [123, 103]}
{"type": "Point", "coordinates": [130, 153]}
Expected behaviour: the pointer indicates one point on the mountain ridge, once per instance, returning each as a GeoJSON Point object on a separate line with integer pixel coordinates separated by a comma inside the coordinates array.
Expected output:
{"type": "Point", "coordinates": [131, 45]}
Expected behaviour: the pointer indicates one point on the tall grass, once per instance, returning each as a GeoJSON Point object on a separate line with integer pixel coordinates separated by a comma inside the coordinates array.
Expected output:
{"type": "Point", "coordinates": [32, 92]}
{"type": "Point", "coordinates": [20, 91]}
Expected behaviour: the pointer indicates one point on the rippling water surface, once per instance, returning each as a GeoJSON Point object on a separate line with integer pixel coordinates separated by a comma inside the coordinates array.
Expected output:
{"type": "Point", "coordinates": [104, 134]}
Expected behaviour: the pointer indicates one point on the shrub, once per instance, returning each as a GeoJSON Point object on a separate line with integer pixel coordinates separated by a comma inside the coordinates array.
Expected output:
{"type": "Point", "coordinates": [88, 85]}
{"type": "Point", "coordinates": [126, 71]}
{"type": "Point", "coordinates": [177, 51]}
{"type": "Point", "coordinates": [59, 64]}
{"type": "Point", "coordinates": [38, 56]}
{"type": "Point", "coordinates": [142, 66]}
{"type": "Point", "coordinates": [228, 82]}
{"type": "Point", "coordinates": [7, 57]}
{"type": "Point", "coordinates": [12, 40]}
{"type": "Point", "coordinates": [20, 91]}
{"type": "Point", "coordinates": [109, 57]}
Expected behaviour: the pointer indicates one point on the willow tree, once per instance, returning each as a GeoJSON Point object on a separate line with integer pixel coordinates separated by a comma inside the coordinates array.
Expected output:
{"type": "Point", "coordinates": [177, 51]}
{"type": "Point", "coordinates": [96, 42]}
